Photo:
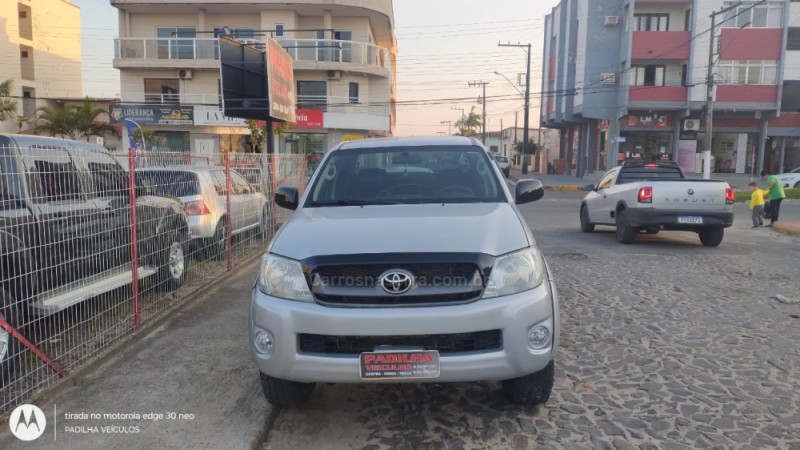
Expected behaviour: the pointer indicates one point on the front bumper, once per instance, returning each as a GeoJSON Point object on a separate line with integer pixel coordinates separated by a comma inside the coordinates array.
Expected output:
{"type": "Point", "coordinates": [641, 218]}
{"type": "Point", "coordinates": [514, 315]}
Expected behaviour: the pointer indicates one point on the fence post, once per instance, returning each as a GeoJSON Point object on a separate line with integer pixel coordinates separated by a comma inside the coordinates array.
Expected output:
{"type": "Point", "coordinates": [134, 234]}
{"type": "Point", "coordinates": [228, 228]}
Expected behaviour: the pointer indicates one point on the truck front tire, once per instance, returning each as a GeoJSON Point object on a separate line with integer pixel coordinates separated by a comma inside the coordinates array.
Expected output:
{"type": "Point", "coordinates": [533, 389]}
{"type": "Point", "coordinates": [285, 393]}
{"type": "Point", "coordinates": [712, 237]}
{"type": "Point", "coordinates": [586, 224]}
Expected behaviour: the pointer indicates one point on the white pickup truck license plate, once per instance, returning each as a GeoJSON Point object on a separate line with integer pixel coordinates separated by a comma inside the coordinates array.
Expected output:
{"type": "Point", "coordinates": [690, 220]}
{"type": "Point", "coordinates": [400, 364]}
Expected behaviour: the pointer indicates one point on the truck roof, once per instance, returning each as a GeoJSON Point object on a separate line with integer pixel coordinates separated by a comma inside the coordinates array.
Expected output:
{"type": "Point", "coordinates": [417, 141]}
{"type": "Point", "coordinates": [25, 140]}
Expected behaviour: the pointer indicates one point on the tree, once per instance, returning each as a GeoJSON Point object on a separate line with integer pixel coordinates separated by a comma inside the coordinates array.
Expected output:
{"type": "Point", "coordinates": [470, 124]}
{"type": "Point", "coordinates": [8, 107]}
{"type": "Point", "coordinates": [533, 147]}
{"type": "Point", "coordinates": [258, 135]}
{"type": "Point", "coordinates": [77, 122]}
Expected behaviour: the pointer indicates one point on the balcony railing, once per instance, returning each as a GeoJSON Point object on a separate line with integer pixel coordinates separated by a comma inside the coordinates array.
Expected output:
{"type": "Point", "coordinates": [312, 50]}
{"type": "Point", "coordinates": [372, 106]}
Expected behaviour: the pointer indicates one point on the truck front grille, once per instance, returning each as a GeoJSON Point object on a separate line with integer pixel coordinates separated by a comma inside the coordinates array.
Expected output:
{"type": "Point", "coordinates": [351, 274]}
{"type": "Point", "coordinates": [480, 341]}
{"type": "Point", "coordinates": [401, 300]}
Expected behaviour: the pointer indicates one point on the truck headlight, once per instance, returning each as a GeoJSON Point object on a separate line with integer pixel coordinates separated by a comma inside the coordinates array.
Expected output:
{"type": "Point", "coordinates": [516, 272]}
{"type": "Point", "coordinates": [283, 278]}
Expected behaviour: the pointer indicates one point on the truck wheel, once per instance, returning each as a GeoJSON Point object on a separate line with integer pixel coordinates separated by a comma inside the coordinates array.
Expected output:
{"type": "Point", "coordinates": [712, 237]}
{"type": "Point", "coordinates": [173, 264]}
{"type": "Point", "coordinates": [285, 393]}
{"type": "Point", "coordinates": [218, 245]}
{"type": "Point", "coordinates": [797, 185]}
{"type": "Point", "coordinates": [586, 225]}
{"type": "Point", "coordinates": [533, 389]}
{"type": "Point", "coordinates": [626, 234]}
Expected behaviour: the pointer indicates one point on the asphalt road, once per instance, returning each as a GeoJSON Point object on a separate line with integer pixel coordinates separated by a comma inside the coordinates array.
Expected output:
{"type": "Point", "coordinates": [665, 344]}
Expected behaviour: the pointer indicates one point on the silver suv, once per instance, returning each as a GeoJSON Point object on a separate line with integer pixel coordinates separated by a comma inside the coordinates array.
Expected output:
{"type": "Point", "coordinates": [406, 261]}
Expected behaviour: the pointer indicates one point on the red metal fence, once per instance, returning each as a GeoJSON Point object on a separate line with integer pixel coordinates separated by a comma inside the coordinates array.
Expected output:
{"type": "Point", "coordinates": [91, 250]}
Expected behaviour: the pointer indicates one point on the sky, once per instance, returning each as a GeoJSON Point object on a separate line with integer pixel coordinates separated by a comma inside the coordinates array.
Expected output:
{"type": "Point", "coordinates": [442, 46]}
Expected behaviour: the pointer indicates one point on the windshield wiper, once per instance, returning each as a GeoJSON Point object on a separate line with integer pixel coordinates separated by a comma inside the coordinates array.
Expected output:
{"type": "Point", "coordinates": [352, 203]}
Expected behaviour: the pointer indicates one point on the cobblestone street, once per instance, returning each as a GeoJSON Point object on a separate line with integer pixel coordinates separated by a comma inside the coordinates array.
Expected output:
{"type": "Point", "coordinates": [664, 344]}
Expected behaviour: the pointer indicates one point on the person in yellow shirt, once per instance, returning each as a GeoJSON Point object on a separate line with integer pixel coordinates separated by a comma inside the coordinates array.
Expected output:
{"type": "Point", "coordinates": [757, 205]}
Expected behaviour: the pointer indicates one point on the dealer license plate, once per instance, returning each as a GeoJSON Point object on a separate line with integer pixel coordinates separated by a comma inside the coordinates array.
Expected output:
{"type": "Point", "coordinates": [690, 220]}
{"type": "Point", "coordinates": [391, 365]}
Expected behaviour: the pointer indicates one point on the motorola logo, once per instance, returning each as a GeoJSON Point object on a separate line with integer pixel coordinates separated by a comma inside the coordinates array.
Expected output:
{"type": "Point", "coordinates": [27, 422]}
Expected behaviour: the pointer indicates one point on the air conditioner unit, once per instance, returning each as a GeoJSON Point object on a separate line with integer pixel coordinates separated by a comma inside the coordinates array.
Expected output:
{"type": "Point", "coordinates": [334, 75]}
{"type": "Point", "coordinates": [185, 74]}
{"type": "Point", "coordinates": [691, 125]}
{"type": "Point", "coordinates": [608, 78]}
{"type": "Point", "coordinates": [97, 140]}
{"type": "Point", "coordinates": [611, 21]}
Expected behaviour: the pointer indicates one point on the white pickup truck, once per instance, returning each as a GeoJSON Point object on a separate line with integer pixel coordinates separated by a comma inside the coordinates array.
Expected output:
{"type": "Point", "coordinates": [650, 197]}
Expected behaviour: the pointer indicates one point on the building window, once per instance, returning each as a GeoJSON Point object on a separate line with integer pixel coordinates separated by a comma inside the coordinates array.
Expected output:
{"type": "Point", "coordinates": [687, 21]}
{"type": "Point", "coordinates": [279, 30]}
{"type": "Point", "coordinates": [343, 51]}
{"type": "Point", "coordinates": [353, 93]}
{"type": "Point", "coordinates": [748, 72]}
{"type": "Point", "coordinates": [684, 74]}
{"type": "Point", "coordinates": [793, 39]}
{"type": "Point", "coordinates": [23, 14]}
{"type": "Point", "coordinates": [23, 54]}
{"type": "Point", "coordinates": [754, 14]}
{"type": "Point", "coordinates": [651, 22]}
{"type": "Point", "coordinates": [176, 43]}
{"type": "Point", "coordinates": [648, 75]}
{"type": "Point", "coordinates": [160, 90]}
{"type": "Point", "coordinates": [312, 94]}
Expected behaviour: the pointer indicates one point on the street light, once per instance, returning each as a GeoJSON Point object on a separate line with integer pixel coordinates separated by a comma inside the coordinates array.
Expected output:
{"type": "Point", "coordinates": [511, 83]}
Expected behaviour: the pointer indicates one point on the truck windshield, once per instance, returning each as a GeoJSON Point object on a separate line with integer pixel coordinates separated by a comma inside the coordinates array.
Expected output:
{"type": "Point", "coordinates": [170, 183]}
{"type": "Point", "coordinates": [647, 172]}
{"type": "Point", "coordinates": [437, 174]}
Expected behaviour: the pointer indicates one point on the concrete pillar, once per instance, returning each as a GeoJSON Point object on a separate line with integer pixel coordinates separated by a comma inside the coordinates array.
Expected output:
{"type": "Point", "coordinates": [327, 22]}
{"type": "Point", "coordinates": [762, 143]}
{"type": "Point", "coordinates": [613, 143]}
{"type": "Point", "coordinates": [581, 150]}
{"type": "Point", "coordinates": [782, 157]}
{"type": "Point", "coordinates": [570, 149]}
{"type": "Point", "coordinates": [676, 137]}
{"type": "Point", "coordinates": [201, 21]}
{"type": "Point", "coordinates": [591, 147]}
{"type": "Point", "coordinates": [127, 32]}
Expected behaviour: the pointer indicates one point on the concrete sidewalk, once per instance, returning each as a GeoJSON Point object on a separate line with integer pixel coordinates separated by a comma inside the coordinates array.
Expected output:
{"type": "Point", "coordinates": [196, 366]}
{"type": "Point", "coordinates": [791, 227]}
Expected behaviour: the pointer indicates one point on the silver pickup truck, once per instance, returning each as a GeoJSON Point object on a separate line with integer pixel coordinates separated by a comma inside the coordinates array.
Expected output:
{"type": "Point", "coordinates": [650, 197]}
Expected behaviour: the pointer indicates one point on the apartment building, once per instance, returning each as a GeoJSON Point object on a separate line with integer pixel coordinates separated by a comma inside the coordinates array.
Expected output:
{"type": "Point", "coordinates": [40, 46]}
{"type": "Point", "coordinates": [627, 79]}
{"type": "Point", "coordinates": [344, 55]}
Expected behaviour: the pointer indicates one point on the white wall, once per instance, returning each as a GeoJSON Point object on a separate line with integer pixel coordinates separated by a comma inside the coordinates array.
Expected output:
{"type": "Point", "coordinates": [580, 54]}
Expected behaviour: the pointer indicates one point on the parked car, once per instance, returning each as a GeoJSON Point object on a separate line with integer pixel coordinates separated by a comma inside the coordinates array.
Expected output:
{"type": "Point", "coordinates": [65, 236]}
{"type": "Point", "coordinates": [790, 179]}
{"type": "Point", "coordinates": [502, 163]}
{"type": "Point", "coordinates": [203, 192]}
{"type": "Point", "coordinates": [653, 196]}
{"type": "Point", "coordinates": [405, 276]}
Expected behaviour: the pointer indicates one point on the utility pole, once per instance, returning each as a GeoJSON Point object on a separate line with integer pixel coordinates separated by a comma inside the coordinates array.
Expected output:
{"type": "Point", "coordinates": [527, 117]}
{"type": "Point", "coordinates": [483, 117]}
{"type": "Point", "coordinates": [448, 123]}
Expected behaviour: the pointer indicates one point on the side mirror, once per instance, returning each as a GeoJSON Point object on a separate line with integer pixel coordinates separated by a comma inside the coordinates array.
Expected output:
{"type": "Point", "coordinates": [590, 187]}
{"type": "Point", "coordinates": [287, 198]}
{"type": "Point", "coordinates": [529, 191]}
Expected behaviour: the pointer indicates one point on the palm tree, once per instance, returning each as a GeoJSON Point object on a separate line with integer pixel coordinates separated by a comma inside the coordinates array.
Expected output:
{"type": "Point", "coordinates": [8, 107]}
{"type": "Point", "coordinates": [470, 124]}
{"type": "Point", "coordinates": [77, 122]}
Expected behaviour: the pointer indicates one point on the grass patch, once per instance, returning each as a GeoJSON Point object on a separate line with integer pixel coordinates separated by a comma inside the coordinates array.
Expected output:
{"type": "Point", "coordinates": [744, 196]}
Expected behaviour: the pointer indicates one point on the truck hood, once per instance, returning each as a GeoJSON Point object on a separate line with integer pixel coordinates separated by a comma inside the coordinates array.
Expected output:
{"type": "Point", "coordinates": [490, 228]}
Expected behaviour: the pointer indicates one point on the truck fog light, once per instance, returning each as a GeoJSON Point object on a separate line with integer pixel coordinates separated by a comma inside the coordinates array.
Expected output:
{"type": "Point", "coordinates": [539, 337]}
{"type": "Point", "coordinates": [264, 342]}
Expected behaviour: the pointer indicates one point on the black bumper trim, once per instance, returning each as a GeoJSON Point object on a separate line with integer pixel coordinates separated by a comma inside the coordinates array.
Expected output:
{"type": "Point", "coordinates": [668, 218]}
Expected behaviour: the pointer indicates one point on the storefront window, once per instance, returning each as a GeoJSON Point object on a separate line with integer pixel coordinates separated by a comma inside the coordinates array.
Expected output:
{"type": "Point", "coordinates": [170, 142]}
{"type": "Point", "coordinates": [236, 143]}
{"type": "Point", "coordinates": [310, 144]}
{"type": "Point", "coordinates": [647, 145]}
{"type": "Point", "coordinates": [731, 152]}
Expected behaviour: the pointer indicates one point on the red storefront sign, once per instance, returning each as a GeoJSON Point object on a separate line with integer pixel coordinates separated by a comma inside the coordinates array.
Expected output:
{"type": "Point", "coordinates": [654, 120]}
{"type": "Point", "coordinates": [309, 118]}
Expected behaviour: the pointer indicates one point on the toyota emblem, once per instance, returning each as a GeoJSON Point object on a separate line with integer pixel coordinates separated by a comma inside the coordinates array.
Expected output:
{"type": "Point", "coordinates": [690, 192]}
{"type": "Point", "coordinates": [396, 281]}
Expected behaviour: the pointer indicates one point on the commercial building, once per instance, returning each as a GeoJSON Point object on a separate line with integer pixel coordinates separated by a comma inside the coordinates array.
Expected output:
{"type": "Point", "coordinates": [41, 50]}
{"type": "Point", "coordinates": [627, 78]}
{"type": "Point", "coordinates": [344, 55]}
